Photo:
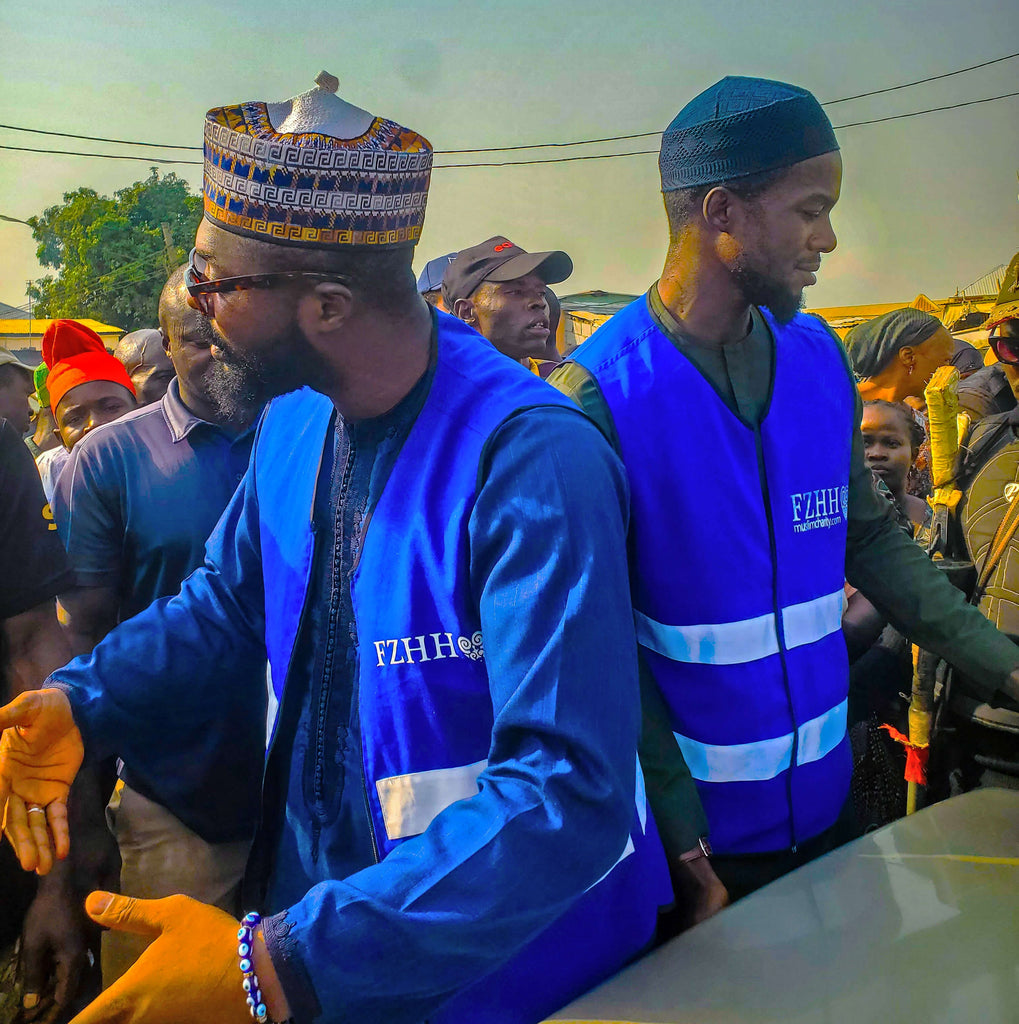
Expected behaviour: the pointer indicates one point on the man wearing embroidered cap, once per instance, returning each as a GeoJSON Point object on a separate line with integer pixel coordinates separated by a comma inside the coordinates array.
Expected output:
{"type": "Point", "coordinates": [453, 827]}
{"type": "Point", "coordinates": [741, 546]}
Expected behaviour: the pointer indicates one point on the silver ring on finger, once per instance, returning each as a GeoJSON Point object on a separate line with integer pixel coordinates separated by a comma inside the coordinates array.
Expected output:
{"type": "Point", "coordinates": [36, 809]}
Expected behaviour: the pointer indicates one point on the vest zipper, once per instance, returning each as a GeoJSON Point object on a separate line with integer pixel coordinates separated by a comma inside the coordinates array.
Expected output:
{"type": "Point", "coordinates": [357, 697]}
{"type": "Point", "coordinates": [779, 629]}
{"type": "Point", "coordinates": [364, 786]}
{"type": "Point", "coordinates": [328, 666]}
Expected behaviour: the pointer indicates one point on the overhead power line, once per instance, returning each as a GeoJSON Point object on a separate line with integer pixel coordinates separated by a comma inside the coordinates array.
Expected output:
{"type": "Point", "coordinates": [919, 81]}
{"type": "Point", "coordinates": [489, 149]}
{"type": "Point", "coordinates": [929, 110]}
{"type": "Point", "coordinates": [114, 280]}
{"type": "Point", "coordinates": [542, 160]}
{"type": "Point", "coordinates": [654, 152]}
{"type": "Point", "coordinates": [98, 138]}
{"type": "Point", "coordinates": [102, 156]}
{"type": "Point", "coordinates": [648, 135]}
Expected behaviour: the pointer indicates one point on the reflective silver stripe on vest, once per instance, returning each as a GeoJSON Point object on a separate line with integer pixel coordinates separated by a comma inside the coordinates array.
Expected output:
{"type": "Point", "coordinates": [735, 643]}
{"type": "Point", "coordinates": [410, 802]}
{"type": "Point", "coordinates": [756, 762]}
{"type": "Point", "coordinates": [808, 622]}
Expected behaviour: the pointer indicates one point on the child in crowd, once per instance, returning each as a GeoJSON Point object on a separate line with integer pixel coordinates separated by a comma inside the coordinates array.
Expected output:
{"type": "Point", "coordinates": [892, 437]}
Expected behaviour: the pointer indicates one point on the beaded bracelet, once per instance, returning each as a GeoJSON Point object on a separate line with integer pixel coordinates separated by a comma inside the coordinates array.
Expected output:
{"type": "Point", "coordinates": [245, 950]}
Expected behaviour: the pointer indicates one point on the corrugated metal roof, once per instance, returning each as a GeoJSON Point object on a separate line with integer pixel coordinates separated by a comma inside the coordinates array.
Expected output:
{"type": "Point", "coordinates": [604, 303]}
{"type": "Point", "coordinates": [989, 284]}
{"type": "Point", "coordinates": [864, 312]}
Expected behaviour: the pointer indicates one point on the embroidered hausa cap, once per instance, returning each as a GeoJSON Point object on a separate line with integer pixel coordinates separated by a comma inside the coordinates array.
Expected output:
{"type": "Point", "coordinates": [742, 126]}
{"type": "Point", "coordinates": [499, 259]}
{"type": "Point", "coordinates": [315, 171]}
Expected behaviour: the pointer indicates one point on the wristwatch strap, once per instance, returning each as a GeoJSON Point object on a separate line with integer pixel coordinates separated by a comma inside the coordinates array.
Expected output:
{"type": "Point", "coordinates": [702, 849]}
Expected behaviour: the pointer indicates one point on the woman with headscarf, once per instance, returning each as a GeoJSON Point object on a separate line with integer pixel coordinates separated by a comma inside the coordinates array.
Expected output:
{"type": "Point", "coordinates": [895, 355]}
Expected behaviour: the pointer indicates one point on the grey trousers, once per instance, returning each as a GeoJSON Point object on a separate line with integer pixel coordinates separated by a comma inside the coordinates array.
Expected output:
{"type": "Point", "coordinates": [160, 857]}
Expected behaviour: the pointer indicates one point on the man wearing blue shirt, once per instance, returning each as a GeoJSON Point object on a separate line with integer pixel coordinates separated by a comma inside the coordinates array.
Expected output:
{"type": "Point", "coordinates": [134, 507]}
{"type": "Point", "coordinates": [452, 826]}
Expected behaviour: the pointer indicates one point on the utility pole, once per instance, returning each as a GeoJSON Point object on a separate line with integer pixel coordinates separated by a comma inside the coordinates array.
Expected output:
{"type": "Point", "coordinates": [28, 291]}
{"type": "Point", "coordinates": [169, 252]}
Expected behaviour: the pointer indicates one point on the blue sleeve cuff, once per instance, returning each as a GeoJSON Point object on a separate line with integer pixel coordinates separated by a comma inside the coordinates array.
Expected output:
{"type": "Point", "coordinates": [284, 952]}
{"type": "Point", "coordinates": [82, 705]}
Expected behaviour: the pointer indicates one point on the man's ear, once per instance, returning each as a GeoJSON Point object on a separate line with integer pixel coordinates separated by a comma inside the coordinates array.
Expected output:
{"type": "Point", "coordinates": [719, 209]}
{"type": "Point", "coordinates": [463, 309]}
{"type": "Point", "coordinates": [325, 308]}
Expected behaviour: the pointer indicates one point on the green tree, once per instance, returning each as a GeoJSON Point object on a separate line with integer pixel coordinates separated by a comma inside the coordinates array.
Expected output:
{"type": "Point", "coordinates": [110, 254]}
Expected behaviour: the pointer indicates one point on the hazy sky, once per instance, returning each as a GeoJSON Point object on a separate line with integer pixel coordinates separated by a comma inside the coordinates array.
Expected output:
{"type": "Point", "coordinates": [928, 203]}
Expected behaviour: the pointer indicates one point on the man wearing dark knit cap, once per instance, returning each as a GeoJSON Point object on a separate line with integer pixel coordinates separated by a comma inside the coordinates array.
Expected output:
{"type": "Point", "coordinates": [453, 825]}
{"type": "Point", "coordinates": [738, 421]}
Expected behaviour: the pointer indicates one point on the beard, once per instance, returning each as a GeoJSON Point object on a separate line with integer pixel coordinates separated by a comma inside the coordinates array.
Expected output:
{"type": "Point", "coordinates": [761, 289]}
{"type": "Point", "coordinates": [239, 384]}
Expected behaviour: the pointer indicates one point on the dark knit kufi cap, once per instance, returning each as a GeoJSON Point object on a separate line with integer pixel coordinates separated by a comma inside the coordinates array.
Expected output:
{"type": "Point", "coordinates": [742, 126]}
{"type": "Point", "coordinates": [872, 345]}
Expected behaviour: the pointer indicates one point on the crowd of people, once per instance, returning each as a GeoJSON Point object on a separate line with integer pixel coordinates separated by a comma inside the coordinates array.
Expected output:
{"type": "Point", "coordinates": [365, 659]}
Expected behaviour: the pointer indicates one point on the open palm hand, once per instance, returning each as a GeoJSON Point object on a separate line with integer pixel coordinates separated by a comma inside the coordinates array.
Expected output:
{"type": "Point", "coordinates": [41, 751]}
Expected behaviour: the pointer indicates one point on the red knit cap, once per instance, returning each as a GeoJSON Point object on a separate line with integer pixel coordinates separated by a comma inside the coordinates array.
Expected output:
{"type": "Point", "coordinates": [75, 355]}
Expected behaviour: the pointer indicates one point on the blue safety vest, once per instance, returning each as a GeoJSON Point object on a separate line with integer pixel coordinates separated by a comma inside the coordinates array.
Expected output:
{"type": "Point", "coordinates": [424, 703]}
{"type": "Point", "coordinates": [738, 540]}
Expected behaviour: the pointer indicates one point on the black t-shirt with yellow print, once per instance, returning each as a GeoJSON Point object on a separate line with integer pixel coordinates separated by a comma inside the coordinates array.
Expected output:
{"type": "Point", "coordinates": [33, 565]}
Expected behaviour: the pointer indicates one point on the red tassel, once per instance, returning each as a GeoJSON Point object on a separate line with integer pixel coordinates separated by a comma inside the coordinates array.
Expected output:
{"type": "Point", "coordinates": [916, 756]}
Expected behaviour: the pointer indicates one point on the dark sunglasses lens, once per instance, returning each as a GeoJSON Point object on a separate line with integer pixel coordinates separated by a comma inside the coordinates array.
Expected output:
{"type": "Point", "coordinates": [1006, 349]}
{"type": "Point", "coordinates": [197, 266]}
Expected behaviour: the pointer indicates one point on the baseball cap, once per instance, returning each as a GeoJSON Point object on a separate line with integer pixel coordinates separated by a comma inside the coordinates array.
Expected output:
{"type": "Point", "coordinates": [431, 277]}
{"type": "Point", "coordinates": [498, 259]}
{"type": "Point", "coordinates": [10, 359]}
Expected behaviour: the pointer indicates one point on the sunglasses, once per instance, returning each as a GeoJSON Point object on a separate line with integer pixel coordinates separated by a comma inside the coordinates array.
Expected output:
{"type": "Point", "coordinates": [1006, 349]}
{"type": "Point", "coordinates": [201, 288]}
